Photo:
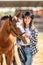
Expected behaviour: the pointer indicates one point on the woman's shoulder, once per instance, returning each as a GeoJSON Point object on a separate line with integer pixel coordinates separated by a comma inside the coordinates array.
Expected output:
{"type": "Point", "coordinates": [34, 30]}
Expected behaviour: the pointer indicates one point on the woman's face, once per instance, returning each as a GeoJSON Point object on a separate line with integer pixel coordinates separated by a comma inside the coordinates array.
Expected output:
{"type": "Point", "coordinates": [27, 20]}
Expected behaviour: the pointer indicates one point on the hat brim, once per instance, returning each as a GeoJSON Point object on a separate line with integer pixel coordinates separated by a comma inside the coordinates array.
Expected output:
{"type": "Point", "coordinates": [32, 16]}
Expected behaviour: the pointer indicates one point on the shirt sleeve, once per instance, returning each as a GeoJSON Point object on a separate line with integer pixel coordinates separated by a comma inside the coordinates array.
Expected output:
{"type": "Point", "coordinates": [34, 36]}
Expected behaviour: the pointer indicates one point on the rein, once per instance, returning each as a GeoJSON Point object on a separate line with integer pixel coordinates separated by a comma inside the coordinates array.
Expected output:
{"type": "Point", "coordinates": [10, 23]}
{"type": "Point", "coordinates": [18, 36]}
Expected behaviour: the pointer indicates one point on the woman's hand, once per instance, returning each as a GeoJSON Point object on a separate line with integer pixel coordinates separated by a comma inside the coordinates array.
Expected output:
{"type": "Point", "coordinates": [27, 37]}
{"type": "Point", "coordinates": [19, 46]}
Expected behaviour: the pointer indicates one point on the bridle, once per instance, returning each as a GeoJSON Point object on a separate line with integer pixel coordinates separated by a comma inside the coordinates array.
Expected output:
{"type": "Point", "coordinates": [13, 30]}
{"type": "Point", "coordinates": [10, 23]}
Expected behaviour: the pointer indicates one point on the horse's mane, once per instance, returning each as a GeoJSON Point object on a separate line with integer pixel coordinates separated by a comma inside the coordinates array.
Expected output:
{"type": "Point", "coordinates": [6, 17]}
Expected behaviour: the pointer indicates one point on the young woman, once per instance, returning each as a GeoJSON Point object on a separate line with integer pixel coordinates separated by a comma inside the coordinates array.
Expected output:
{"type": "Point", "coordinates": [30, 35]}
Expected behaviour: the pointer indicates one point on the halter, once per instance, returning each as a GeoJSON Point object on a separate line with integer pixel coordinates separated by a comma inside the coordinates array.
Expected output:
{"type": "Point", "coordinates": [18, 36]}
{"type": "Point", "coordinates": [10, 23]}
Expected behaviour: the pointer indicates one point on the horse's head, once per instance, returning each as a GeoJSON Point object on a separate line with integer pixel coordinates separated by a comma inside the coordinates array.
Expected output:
{"type": "Point", "coordinates": [19, 25]}
{"type": "Point", "coordinates": [19, 30]}
{"type": "Point", "coordinates": [10, 25]}
{"type": "Point", "coordinates": [12, 22]}
{"type": "Point", "coordinates": [16, 25]}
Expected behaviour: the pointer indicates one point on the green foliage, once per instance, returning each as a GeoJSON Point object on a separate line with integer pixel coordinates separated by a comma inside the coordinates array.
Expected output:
{"type": "Point", "coordinates": [7, 13]}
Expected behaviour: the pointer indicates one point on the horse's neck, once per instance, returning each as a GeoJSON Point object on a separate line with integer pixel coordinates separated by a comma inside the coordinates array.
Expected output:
{"type": "Point", "coordinates": [2, 24]}
{"type": "Point", "coordinates": [4, 29]}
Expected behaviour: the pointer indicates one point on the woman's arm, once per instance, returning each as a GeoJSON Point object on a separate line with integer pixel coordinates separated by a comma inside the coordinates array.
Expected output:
{"type": "Point", "coordinates": [27, 37]}
{"type": "Point", "coordinates": [34, 35]}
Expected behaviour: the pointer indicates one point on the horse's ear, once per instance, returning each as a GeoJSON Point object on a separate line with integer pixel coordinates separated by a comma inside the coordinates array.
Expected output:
{"type": "Point", "coordinates": [10, 17]}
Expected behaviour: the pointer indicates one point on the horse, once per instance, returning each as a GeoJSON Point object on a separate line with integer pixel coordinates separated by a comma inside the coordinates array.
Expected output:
{"type": "Point", "coordinates": [7, 27]}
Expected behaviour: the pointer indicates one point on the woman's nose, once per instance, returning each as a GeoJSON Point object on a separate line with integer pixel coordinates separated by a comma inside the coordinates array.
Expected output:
{"type": "Point", "coordinates": [27, 19]}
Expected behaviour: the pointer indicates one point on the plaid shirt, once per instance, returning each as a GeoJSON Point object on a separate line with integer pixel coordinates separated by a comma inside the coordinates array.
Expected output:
{"type": "Point", "coordinates": [33, 40]}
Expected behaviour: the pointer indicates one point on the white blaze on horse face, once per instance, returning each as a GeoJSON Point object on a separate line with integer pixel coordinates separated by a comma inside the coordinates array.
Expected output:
{"type": "Point", "coordinates": [19, 25]}
{"type": "Point", "coordinates": [15, 17]}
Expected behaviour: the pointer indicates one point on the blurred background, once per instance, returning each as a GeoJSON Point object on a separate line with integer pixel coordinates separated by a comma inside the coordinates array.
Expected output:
{"type": "Point", "coordinates": [38, 20]}
{"type": "Point", "coordinates": [36, 11]}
